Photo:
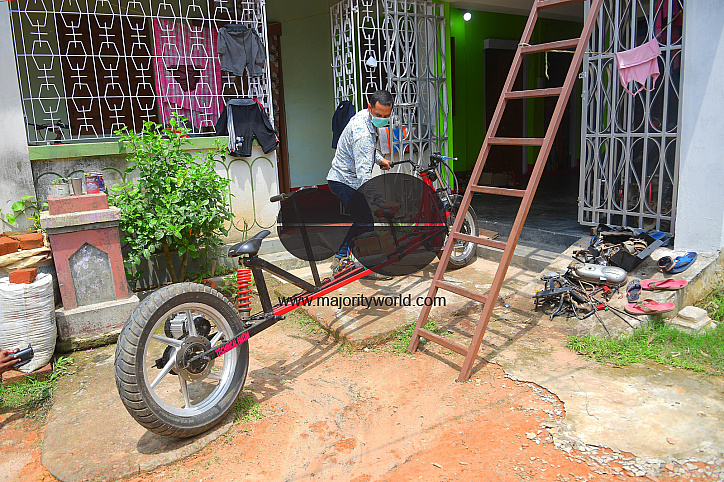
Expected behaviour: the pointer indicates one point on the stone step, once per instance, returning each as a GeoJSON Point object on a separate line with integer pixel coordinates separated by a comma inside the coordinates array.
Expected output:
{"type": "Point", "coordinates": [527, 256]}
{"type": "Point", "coordinates": [554, 240]}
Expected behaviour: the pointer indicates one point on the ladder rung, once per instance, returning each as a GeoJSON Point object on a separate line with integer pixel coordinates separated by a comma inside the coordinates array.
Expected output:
{"type": "Point", "coordinates": [529, 94]}
{"type": "Point", "coordinates": [477, 240]}
{"type": "Point", "coordinates": [546, 47]}
{"type": "Point", "coordinates": [555, 3]}
{"type": "Point", "coordinates": [500, 191]}
{"type": "Point", "coordinates": [516, 141]}
{"type": "Point", "coordinates": [462, 292]}
{"type": "Point", "coordinates": [442, 341]}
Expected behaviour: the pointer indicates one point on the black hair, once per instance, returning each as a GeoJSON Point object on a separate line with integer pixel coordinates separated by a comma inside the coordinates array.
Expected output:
{"type": "Point", "coordinates": [381, 97]}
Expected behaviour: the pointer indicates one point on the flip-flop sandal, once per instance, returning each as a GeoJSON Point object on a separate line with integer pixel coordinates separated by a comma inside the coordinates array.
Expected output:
{"type": "Point", "coordinates": [665, 284]}
{"type": "Point", "coordinates": [678, 264]}
{"type": "Point", "coordinates": [633, 290]}
{"type": "Point", "coordinates": [648, 307]}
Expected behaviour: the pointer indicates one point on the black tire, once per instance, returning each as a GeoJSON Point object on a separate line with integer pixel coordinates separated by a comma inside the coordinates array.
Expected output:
{"type": "Point", "coordinates": [143, 338]}
{"type": "Point", "coordinates": [467, 252]}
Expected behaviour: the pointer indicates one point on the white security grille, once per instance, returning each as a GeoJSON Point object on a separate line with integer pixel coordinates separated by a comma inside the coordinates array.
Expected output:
{"type": "Point", "coordinates": [398, 45]}
{"type": "Point", "coordinates": [629, 168]}
{"type": "Point", "coordinates": [88, 68]}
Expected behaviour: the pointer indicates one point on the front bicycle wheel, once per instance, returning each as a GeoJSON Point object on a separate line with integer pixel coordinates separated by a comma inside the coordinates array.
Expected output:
{"type": "Point", "coordinates": [163, 333]}
{"type": "Point", "coordinates": [464, 252]}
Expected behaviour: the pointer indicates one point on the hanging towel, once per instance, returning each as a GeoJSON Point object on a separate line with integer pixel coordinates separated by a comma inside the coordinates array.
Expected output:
{"type": "Point", "coordinates": [241, 48]}
{"type": "Point", "coordinates": [188, 78]}
{"type": "Point", "coordinates": [243, 120]}
{"type": "Point", "coordinates": [344, 112]}
{"type": "Point", "coordinates": [391, 142]}
{"type": "Point", "coordinates": [638, 64]}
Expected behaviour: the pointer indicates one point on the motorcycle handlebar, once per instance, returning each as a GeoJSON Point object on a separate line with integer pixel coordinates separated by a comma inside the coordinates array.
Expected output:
{"type": "Point", "coordinates": [279, 197]}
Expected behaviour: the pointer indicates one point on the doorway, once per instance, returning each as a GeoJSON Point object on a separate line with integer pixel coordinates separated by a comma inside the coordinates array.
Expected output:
{"type": "Point", "coordinates": [274, 33]}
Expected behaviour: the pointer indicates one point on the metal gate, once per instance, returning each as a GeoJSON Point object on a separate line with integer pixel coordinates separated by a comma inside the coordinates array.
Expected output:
{"type": "Point", "coordinates": [398, 45]}
{"type": "Point", "coordinates": [629, 153]}
{"type": "Point", "coordinates": [88, 68]}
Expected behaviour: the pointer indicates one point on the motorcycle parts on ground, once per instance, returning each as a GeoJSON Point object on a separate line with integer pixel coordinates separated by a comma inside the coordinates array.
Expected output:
{"type": "Point", "coordinates": [598, 274]}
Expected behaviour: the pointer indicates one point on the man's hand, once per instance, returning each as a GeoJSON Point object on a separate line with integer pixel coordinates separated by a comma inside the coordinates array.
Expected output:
{"type": "Point", "coordinates": [385, 165]}
{"type": "Point", "coordinates": [7, 360]}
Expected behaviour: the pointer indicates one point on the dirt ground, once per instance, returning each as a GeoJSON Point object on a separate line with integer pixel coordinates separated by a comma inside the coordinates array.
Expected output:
{"type": "Point", "coordinates": [327, 414]}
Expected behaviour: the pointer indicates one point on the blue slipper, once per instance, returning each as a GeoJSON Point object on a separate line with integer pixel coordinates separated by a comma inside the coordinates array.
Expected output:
{"type": "Point", "coordinates": [633, 290]}
{"type": "Point", "coordinates": [678, 264]}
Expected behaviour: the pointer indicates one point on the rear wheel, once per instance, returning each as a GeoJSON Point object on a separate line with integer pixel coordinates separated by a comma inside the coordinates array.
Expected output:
{"type": "Point", "coordinates": [464, 252]}
{"type": "Point", "coordinates": [164, 332]}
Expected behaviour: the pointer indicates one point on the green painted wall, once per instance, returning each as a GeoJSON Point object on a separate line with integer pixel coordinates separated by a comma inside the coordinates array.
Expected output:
{"type": "Point", "coordinates": [308, 86]}
{"type": "Point", "coordinates": [469, 71]}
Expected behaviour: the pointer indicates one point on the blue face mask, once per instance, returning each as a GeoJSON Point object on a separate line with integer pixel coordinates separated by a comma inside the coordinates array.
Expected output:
{"type": "Point", "coordinates": [380, 121]}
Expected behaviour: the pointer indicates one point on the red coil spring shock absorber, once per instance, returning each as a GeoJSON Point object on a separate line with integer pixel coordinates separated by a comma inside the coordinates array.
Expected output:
{"type": "Point", "coordinates": [243, 292]}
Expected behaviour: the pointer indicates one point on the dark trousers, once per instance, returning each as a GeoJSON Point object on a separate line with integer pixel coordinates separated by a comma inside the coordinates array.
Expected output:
{"type": "Point", "coordinates": [358, 208]}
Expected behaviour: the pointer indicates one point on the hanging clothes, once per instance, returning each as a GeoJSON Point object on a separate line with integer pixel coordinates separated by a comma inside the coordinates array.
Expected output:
{"type": "Point", "coordinates": [675, 23]}
{"type": "Point", "coordinates": [188, 76]}
{"type": "Point", "coordinates": [662, 20]}
{"type": "Point", "coordinates": [241, 48]}
{"type": "Point", "coordinates": [342, 114]}
{"type": "Point", "coordinates": [639, 64]}
{"type": "Point", "coordinates": [243, 120]}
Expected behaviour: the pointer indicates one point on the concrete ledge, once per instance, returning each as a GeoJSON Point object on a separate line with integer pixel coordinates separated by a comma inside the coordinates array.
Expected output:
{"type": "Point", "coordinates": [93, 325]}
{"type": "Point", "coordinates": [111, 147]}
{"type": "Point", "coordinates": [81, 218]}
{"type": "Point", "coordinates": [91, 436]}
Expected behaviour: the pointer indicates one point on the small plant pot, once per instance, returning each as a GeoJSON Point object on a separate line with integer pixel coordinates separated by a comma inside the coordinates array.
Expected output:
{"type": "Point", "coordinates": [61, 189]}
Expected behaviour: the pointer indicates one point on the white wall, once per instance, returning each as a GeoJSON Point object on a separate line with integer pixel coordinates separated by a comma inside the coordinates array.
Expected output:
{"type": "Point", "coordinates": [700, 210]}
{"type": "Point", "coordinates": [16, 178]}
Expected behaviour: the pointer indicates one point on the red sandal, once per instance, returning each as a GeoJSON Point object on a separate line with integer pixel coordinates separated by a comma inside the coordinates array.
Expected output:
{"type": "Point", "coordinates": [648, 307]}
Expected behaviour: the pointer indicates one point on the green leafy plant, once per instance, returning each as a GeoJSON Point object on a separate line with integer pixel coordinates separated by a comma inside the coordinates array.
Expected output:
{"type": "Point", "coordinates": [28, 205]}
{"type": "Point", "coordinates": [178, 203]}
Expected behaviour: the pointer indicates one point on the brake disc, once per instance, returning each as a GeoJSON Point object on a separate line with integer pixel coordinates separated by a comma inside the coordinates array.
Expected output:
{"type": "Point", "coordinates": [199, 369]}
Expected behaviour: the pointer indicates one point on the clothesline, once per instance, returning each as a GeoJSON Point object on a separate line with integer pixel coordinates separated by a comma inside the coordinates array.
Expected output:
{"type": "Point", "coordinates": [524, 44]}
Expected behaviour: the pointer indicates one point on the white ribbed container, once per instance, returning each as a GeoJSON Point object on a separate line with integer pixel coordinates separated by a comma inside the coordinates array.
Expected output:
{"type": "Point", "coordinates": [27, 317]}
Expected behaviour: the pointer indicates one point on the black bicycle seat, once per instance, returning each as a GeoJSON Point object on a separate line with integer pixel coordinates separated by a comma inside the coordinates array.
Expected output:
{"type": "Point", "coordinates": [250, 246]}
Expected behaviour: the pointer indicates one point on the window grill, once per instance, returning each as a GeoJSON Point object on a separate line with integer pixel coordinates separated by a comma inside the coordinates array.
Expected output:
{"type": "Point", "coordinates": [398, 45]}
{"type": "Point", "coordinates": [87, 68]}
{"type": "Point", "coordinates": [630, 158]}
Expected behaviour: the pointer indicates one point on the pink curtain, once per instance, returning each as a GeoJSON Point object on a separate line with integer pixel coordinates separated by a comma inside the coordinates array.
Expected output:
{"type": "Point", "coordinates": [188, 73]}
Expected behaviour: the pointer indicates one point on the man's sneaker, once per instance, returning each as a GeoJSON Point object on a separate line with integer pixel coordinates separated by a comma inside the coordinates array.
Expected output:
{"type": "Point", "coordinates": [377, 276]}
{"type": "Point", "coordinates": [340, 264]}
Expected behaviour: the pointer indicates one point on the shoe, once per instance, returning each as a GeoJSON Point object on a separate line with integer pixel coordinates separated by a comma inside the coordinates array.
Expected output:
{"type": "Point", "coordinates": [676, 265]}
{"type": "Point", "coordinates": [341, 264]}
{"type": "Point", "coordinates": [377, 276]}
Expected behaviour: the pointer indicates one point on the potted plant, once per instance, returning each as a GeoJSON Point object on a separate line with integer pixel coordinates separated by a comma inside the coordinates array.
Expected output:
{"type": "Point", "coordinates": [179, 202]}
{"type": "Point", "coordinates": [60, 187]}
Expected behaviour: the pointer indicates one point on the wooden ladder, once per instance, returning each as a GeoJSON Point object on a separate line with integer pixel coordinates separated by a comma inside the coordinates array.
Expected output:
{"type": "Point", "coordinates": [545, 144]}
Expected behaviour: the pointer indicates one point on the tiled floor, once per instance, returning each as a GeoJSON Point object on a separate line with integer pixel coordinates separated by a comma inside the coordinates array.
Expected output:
{"type": "Point", "coordinates": [554, 209]}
